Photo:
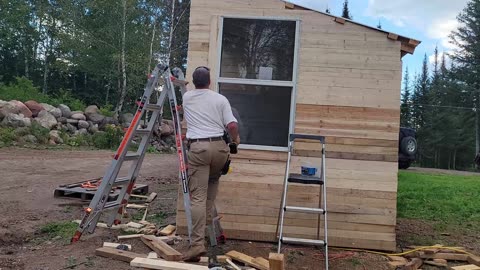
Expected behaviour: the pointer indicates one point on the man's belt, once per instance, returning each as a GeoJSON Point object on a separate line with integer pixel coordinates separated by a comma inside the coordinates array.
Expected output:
{"type": "Point", "coordinates": [213, 139]}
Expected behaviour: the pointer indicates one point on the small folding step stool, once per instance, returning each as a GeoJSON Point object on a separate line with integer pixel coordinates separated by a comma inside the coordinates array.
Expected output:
{"type": "Point", "coordinates": [305, 180]}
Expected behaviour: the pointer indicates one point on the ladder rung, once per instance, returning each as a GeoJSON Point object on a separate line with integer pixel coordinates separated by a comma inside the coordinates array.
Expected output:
{"type": "Point", "coordinates": [304, 209]}
{"type": "Point", "coordinates": [301, 241]}
{"type": "Point", "coordinates": [132, 156]}
{"type": "Point", "coordinates": [304, 179]}
{"type": "Point", "coordinates": [153, 107]}
{"type": "Point", "coordinates": [121, 181]}
{"type": "Point", "coordinates": [142, 131]}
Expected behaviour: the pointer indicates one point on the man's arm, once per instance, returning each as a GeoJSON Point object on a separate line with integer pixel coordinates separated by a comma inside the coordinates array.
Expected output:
{"type": "Point", "coordinates": [233, 132]}
{"type": "Point", "coordinates": [230, 122]}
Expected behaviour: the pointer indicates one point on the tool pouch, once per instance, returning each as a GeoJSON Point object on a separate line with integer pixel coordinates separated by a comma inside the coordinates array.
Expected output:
{"type": "Point", "coordinates": [226, 167]}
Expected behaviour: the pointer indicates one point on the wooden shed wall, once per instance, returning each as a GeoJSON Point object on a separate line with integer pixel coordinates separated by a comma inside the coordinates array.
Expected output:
{"type": "Point", "coordinates": [348, 89]}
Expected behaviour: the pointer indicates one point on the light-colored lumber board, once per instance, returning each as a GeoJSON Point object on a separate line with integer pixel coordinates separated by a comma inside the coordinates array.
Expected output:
{"type": "Point", "coordinates": [276, 261]}
{"type": "Point", "coordinates": [139, 196]}
{"type": "Point", "coordinates": [466, 267]}
{"type": "Point", "coordinates": [437, 262]}
{"type": "Point", "coordinates": [116, 254]}
{"type": "Point", "coordinates": [151, 197]}
{"type": "Point", "coordinates": [161, 248]}
{"type": "Point", "coordinates": [167, 230]}
{"type": "Point", "coordinates": [135, 225]}
{"type": "Point", "coordinates": [164, 265]}
{"type": "Point", "coordinates": [414, 264]}
{"type": "Point", "coordinates": [233, 264]}
{"type": "Point", "coordinates": [129, 236]}
{"type": "Point", "coordinates": [136, 206]}
{"type": "Point", "coordinates": [445, 256]}
{"type": "Point", "coordinates": [115, 245]}
{"type": "Point", "coordinates": [152, 255]}
{"type": "Point", "coordinates": [243, 258]}
{"type": "Point", "coordinates": [262, 261]}
{"type": "Point", "coordinates": [474, 260]}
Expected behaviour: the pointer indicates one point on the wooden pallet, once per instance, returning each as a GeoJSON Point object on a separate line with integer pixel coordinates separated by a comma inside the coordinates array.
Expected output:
{"type": "Point", "coordinates": [75, 191]}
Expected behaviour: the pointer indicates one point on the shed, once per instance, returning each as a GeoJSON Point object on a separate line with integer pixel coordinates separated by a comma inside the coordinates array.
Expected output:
{"type": "Point", "coordinates": [285, 69]}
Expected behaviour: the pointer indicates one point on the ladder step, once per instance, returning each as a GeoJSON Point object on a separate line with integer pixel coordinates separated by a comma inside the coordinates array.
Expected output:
{"type": "Point", "coordinates": [153, 107]}
{"type": "Point", "coordinates": [304, 179]}
{"type": "Point", "coordinates": [142, 131]}
{"type": "Point", "coordinates": [301, 241]}
{"type": "Point", "coordinates": [121, 181]}
{"type": "Point", "coordinates": [304, 209]}
{"type": "Point", "coordinates": [132, 156]}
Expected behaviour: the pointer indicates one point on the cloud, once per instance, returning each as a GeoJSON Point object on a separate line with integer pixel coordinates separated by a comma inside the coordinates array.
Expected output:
{"type": "Point", "coordinates": [431, 58]}
{"type": "Point", "coordinates": [436, 18]}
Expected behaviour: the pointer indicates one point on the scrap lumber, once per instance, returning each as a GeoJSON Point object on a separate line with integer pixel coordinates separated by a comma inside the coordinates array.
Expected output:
{"type": "Point", "coordinates": [115, 245]}
{"type": "Point", "coordinates": [276, 261]}
{"type": "Point", "coordinates": [161, 248]}
{"type": "Point", "coordinates": [466, 267]}
{"type": "Point", "coordinates": [152, 255]}
{"type": "Point", "coordinates": [445, 256]}
{"type": "Point", "coordinates": [117, 254]}
{"type": "Point", "coordinates": [233, 265]}
{"type": "Point", "coordinates": [164, 265]}
{"type": "Point", "coordinates": [104, 225]}
{"type": "Point", "coordinates": [437, 262]}
{"type": "Point", "coordinates": [397, 261]}
{"type": "Point", "coordinates": [129, 236]}
{"type": "Point", "coordinates": [474, 260]}
{"type": "Point", "coordinates": [136, 206]}
{"type": "Point", "coordinates": [151, 197]}
{"type": "Point", "coordinates": [238, 256]}
{"type": "Point", "coordinates": [170, 229]}
{"type": "Point", "coordinates": [262, 261]}
{"type": "Point", "coordinates": [413, 264]}
{"type": "Point", "coordinates": [135, 225]}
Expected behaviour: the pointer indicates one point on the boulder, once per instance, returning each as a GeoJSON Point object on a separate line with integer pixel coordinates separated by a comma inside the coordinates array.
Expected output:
{"type": "Point", "coordinates": [168, 122]}
{"type": "Point", "coordinates": [95, 118]}
{"type": "Point", "coordinates": [165, 130]}
{"type": "Point", "coordinates": [2, 102]}
{"type": "Point", "coordinates": [92, 109]}
{"type": "Point", "coordinates": [93, 128]}
{"type": "Point", "coordinates": [6, 109]}
{"type": "Point", "coordinates": [78, 116]}
{"type": "Point", "coordinates": [71, 128]}
{"type": "Point", "coordinates": [63, 120]}
{"type": "Point", "coordinates": [46, 119]}
{"type": "Point", "coordinates": [57, 113]}
{"type": "Point", "coordinates": [66, 112]}
{"type": "Point", "coordinates": [74, 112]}
{"type": "Point", "coordinates": [83, 124]}
{"type": "Point", "coordinates": [82, 131]}
{"type": "Point", "coordinates": [111, 121]}
{"type": "Point", "coordinates": [47, 107]}
{"type": "Point", "coordinates": [126, 119]}
{"type": "Point", "coordinates": [16, 121]}
{"type": "Point", "coordinates": [72, 121]}
{"type": "Point", "coordinates": [55, 136]}
{"type": "Point", "coordinates": [22, 108]}
{"type": "Point", "coordinates": [29, 138]}
{"type": "Point", "coordinates": [34, 107]}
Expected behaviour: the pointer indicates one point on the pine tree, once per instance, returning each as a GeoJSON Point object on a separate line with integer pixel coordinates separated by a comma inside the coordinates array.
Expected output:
{"type": "Point", "coordinates": [379, 25]}
{"type": "Point", "coordinates": [346, 12]}
{"type": "Point", "coordinates": [405, 119]}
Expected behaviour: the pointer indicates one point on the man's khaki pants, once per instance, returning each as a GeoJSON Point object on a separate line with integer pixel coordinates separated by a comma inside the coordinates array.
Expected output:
{"type": "Point", "coordinates": [205, 163]}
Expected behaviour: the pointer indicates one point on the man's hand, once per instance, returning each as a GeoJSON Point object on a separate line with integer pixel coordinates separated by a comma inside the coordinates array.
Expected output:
{"type": "Point", "coordinates": [237, 140]}
{"type": "Point", "coordinates": [233, 132]}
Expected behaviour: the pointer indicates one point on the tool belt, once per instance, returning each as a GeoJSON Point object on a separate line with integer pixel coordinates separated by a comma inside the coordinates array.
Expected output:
{"type": "Point", "coordinates": [213, 139]}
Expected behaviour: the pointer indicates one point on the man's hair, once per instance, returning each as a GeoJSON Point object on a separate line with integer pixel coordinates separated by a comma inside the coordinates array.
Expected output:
{"type": "Point", "coordinates": [201, 77]}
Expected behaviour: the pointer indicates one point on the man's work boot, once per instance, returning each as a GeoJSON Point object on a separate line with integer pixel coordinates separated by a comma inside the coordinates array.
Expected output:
{"type": "Point", "coordinates": [194, 253]}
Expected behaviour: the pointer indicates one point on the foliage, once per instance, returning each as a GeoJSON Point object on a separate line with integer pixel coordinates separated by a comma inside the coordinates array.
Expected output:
{"type": "Point", "coordinates": [42, 134]}
{"type": "Point", "coordinates": [446, 199]}
{"type": "Point", "coordinates": [109, 139]}
{"type": "Point", "coordinates": [346, 11]}
{"type": "Point", "coordinates": [7, 135]}
{"type": "Point", "coordinates": [64, 229]}
{"type": "Point", "coordinates": [107, 110]}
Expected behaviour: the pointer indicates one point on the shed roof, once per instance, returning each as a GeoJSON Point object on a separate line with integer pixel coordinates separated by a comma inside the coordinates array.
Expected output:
{"type": "Point", "coordinates": [408, 44]}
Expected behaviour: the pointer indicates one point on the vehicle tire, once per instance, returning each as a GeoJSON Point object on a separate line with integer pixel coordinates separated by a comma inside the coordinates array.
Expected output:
{"type": "Point", "coordinates": [408, 146]}
{"type": "Point", "coordinates": [403, 165]}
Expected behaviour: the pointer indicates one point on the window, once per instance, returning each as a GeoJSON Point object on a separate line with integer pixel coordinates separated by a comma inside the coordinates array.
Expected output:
{"type": "Point", "coordinates": [257, 72]}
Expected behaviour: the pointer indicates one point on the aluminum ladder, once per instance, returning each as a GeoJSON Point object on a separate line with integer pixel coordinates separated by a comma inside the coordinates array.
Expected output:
{"type": "Point", "coordinates": [300, 179]}
{"type": "Point", "coordinates": [161, 80]}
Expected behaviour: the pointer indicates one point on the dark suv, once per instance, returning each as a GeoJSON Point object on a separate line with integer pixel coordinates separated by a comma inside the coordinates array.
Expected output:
{"type": "Point", "coordinates": [407, 147]}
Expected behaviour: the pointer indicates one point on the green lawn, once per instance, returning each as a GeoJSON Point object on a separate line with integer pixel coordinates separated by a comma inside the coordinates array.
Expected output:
{"type": "Point", "coordinates": [449, 200]}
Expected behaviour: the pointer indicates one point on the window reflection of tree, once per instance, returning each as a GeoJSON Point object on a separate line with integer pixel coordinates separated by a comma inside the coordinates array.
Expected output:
{"type": "Point", "coordinates": [251, 44]}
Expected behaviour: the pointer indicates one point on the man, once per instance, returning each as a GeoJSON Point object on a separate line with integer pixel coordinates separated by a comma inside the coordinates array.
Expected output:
{"type": "Point", "coordinates": [207, 114]}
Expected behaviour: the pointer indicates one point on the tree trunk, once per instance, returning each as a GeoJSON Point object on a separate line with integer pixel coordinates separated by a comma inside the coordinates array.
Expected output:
{"type": "Point", "coordinates": [151, 47]}
{"type": "Point", "coordinates": [449, 160]}
{"type": "Point", "coordinates": [74, 82]}
{"type": "Point", "coordinates": [45, 71]}
{"type": "Point", "coordinates": [172, 26]}
{"type": "Point", "coordinates": [455, 159]}
{"type": "Point", "coordinates": [123, 92]}
{"type": "Point", "coordinates": [25, 59]}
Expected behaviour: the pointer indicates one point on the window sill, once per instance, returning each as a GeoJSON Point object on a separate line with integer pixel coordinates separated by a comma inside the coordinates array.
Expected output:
{"type": "Point", "coordinates": [263, 148]}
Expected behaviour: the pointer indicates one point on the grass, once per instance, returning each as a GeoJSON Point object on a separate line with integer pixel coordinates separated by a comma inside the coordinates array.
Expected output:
{"type": "Point", "coordinates": [63, 230]}
{"type": "Point", "coordinates": [446, 199]}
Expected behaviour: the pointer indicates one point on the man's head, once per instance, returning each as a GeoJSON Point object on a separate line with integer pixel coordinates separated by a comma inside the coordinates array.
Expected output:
{"type": "Point", "coordinates": [201, 78]}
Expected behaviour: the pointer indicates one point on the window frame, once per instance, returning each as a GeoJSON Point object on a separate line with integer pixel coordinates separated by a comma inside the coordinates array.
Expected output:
{"type": "Point", "coordinates": [292, 83]}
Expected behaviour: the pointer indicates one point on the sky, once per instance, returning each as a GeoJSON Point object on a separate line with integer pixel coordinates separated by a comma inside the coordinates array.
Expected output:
{"type": "Point", "coordinates": [429, 21]}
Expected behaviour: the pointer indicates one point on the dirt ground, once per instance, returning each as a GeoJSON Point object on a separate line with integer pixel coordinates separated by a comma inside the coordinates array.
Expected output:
{"type": "Point", "coordinates": [28, 178]}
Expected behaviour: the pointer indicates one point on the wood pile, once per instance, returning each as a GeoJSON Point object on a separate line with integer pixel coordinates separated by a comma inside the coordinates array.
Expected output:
{"type": "Point", "coordinates": [438, 255]}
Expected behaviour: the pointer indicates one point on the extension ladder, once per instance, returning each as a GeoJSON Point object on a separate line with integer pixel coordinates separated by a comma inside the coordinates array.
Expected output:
{"type": "Point", "coordinates": [160, 80]}
{"type": "Point", "coordinates": [305, 180]}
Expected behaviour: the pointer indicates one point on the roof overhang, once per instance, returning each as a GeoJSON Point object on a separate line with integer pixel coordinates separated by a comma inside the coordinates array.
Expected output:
{"type": "Point", "coordinates": [408, 44]}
